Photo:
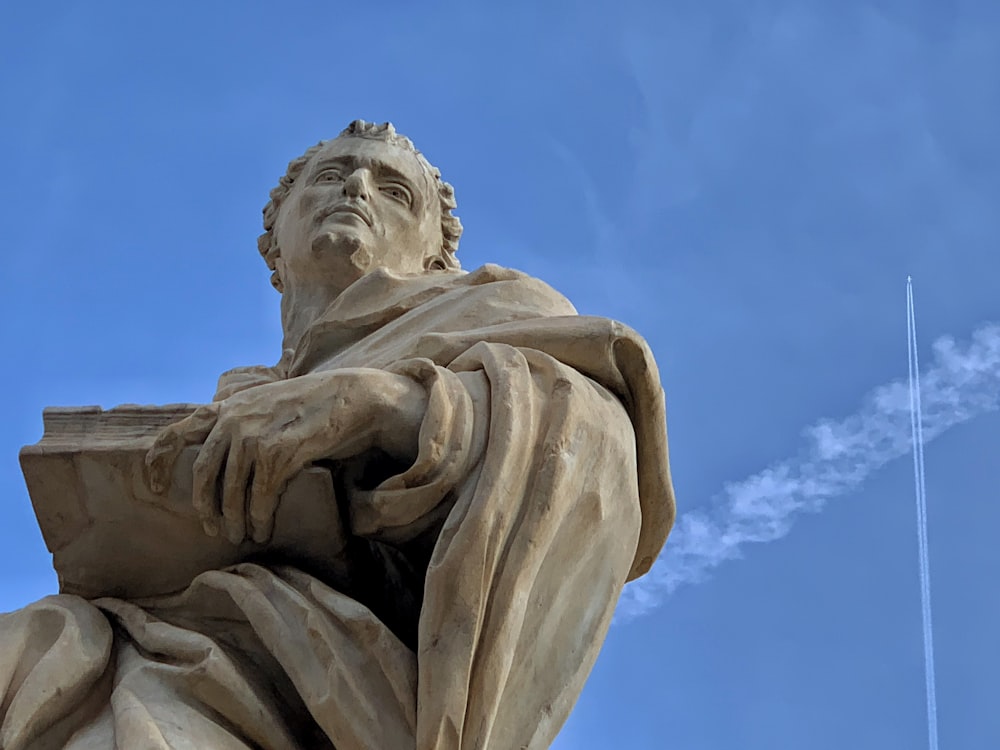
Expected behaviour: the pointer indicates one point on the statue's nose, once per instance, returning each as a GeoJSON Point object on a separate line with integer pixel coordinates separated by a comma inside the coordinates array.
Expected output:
{"type": "Point", "coordinates": [356, 184]}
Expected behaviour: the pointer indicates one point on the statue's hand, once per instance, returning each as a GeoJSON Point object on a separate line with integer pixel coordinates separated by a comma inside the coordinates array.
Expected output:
{"type": "Point", "coordinates": [255, 441]}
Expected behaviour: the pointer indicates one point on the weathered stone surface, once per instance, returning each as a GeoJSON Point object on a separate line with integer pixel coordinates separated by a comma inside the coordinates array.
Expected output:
{"type": "Point", "coordinates": [410, 532]}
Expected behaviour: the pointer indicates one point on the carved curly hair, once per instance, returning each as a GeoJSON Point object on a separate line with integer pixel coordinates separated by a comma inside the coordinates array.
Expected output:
{"type": "Point", "coordinates": [451, 227]}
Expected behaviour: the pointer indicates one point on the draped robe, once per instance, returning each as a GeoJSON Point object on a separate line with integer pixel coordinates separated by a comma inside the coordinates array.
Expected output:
{"type": "Point", "coordinates": [478, 581]}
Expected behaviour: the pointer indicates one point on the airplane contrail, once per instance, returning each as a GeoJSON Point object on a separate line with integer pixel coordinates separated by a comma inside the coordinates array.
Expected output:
{"type": "Point", "coordinates": [920, 490]}
{"type": "Point", "coordinates": [962, 383]}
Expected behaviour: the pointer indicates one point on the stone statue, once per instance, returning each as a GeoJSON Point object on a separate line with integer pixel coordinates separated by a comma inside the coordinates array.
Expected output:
{"type": "Point", "coordinates": [411, 532]}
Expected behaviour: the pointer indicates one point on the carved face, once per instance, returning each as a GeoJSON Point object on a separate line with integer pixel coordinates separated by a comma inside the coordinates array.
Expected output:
{"type": "Point", "coordinates": [359, 204]}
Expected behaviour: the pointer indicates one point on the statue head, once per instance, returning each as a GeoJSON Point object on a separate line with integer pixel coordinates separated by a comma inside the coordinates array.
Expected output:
{"type": "Point", "coordinates": [366, 199]}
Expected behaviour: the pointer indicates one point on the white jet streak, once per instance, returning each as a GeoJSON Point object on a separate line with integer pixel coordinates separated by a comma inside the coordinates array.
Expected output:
{"type": "Point", "coordinates": [920, 490]}
{"type": "Point", "coordinates": [963, 382]}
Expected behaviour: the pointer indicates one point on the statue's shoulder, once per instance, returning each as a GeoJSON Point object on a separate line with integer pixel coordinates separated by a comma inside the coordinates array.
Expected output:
{"type": "Point", "coordinates": [491, 273]}
{"type": "Point", "coordinates": [516, 286]}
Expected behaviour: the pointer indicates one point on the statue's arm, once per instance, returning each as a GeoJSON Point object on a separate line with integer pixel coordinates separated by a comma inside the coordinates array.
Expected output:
{"type": "Point", "coordinates": [254, 441]}
{"type": "Point", "coordinates": [239, 379]}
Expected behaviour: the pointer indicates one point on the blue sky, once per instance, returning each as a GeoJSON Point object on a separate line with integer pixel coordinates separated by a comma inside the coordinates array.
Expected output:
{"type": "Point", "coordinates": [746, 183]}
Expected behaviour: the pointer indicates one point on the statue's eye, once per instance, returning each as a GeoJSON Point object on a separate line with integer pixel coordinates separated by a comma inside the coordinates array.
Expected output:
{"type": "Point", "coordinates": [329, 175]}
{"type": "Point", "coordinates": [396, 192]}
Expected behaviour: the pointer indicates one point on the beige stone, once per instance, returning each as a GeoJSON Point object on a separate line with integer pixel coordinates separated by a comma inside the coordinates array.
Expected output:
{"type": "Point", "coordinates": [411, 532]}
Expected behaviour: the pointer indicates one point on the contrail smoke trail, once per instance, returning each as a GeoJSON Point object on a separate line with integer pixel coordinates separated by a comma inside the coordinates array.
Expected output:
{"type": "Point", "coordinates": [920, 489]}
{"type": "Point", "coordinates": [963, 382]}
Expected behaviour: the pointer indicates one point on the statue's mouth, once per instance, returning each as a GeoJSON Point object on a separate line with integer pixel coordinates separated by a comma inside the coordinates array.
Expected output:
{"type": "Point", "coordinates": [348, 208]}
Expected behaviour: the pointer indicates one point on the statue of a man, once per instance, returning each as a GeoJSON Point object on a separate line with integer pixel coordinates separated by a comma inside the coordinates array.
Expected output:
{"type": "Point", "coordinates": [500, 466]}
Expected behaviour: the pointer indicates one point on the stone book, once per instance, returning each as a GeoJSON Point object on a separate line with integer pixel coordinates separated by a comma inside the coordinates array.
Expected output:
{"type": "Point", "coordinates": [111, 535]}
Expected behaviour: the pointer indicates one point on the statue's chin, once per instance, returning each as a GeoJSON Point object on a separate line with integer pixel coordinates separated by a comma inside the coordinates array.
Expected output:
{"type": "Point", "coordinates": [345, 248]}
{"type": "Point", "coordinates": [362, 259]}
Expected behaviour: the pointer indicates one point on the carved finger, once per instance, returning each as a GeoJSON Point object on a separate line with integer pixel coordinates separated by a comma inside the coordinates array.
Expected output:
{"type": "Point", "coordinates": [207, 471]}
{"type": "Point", "coordinates": [173, 439]}
{"type": "Point", "coordinates": [239, 467]}
{"type": "Point", "coordinates": [268, 480]}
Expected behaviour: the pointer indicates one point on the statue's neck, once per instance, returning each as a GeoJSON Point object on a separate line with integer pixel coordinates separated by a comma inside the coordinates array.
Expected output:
{"type": "Point", "coordinates": [301, 306]}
